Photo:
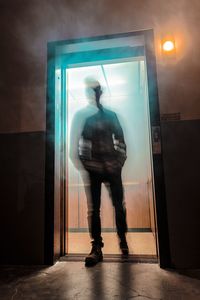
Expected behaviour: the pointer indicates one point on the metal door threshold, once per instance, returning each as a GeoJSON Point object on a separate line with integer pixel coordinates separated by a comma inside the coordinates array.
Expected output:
{"type": "Point", "coordinates": [113, 258]}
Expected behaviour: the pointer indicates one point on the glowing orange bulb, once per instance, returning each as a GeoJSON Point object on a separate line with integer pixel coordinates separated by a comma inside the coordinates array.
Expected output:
{"type": "Point", "coordinates": [168, 46]}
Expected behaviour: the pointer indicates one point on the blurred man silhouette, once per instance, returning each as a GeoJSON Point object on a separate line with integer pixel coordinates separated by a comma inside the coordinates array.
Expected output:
{"type": "Point", "coordinates": [102, 151]}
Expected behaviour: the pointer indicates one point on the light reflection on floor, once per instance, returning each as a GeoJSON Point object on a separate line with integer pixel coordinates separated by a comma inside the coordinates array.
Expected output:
{"type": "Point", "coordinates": [140, 243]}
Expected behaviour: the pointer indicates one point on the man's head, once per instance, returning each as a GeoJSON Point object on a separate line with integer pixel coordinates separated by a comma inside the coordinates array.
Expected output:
{"type": "Point", "coordinates": [93, 90]}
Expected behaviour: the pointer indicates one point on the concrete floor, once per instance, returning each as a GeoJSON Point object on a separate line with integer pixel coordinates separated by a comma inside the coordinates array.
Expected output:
{"type": "Point", "coordinates": [116, 280]}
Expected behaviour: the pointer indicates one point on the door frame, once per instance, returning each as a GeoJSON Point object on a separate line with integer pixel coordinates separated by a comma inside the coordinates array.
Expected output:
{"type": "Point", "coordinates": [55, 208]}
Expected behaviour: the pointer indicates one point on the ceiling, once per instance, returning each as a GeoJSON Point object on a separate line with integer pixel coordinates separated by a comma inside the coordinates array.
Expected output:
{"type": "Point", "coordinates": [117, 79]}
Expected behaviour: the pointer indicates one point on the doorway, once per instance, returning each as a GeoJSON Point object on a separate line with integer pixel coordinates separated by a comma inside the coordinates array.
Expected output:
{"type": "Point", "coordinates": [125, 92]}
{"type": "Point", "coordinates": [125, 66]}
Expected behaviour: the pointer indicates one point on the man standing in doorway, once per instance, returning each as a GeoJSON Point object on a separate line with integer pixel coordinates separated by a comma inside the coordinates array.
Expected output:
{"type": "Point", "coordinates": [102, 151]}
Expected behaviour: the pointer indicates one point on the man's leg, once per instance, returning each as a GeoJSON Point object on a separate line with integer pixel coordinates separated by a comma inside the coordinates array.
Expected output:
{"type": "Point", "coordinates": [94, 220]}
{"type": "Point", "coordinates": [117, 193]}
{"type": "Point", "coordinates": [94, 208]}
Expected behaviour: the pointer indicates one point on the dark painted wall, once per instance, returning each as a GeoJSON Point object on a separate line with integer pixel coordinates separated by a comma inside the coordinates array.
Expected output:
{"type": "Point", "coordinates": [181, 149]}
{"type": "Point", "coordinates": [22, 198]}
{"type": "Point", "coordinates": [26, 27]}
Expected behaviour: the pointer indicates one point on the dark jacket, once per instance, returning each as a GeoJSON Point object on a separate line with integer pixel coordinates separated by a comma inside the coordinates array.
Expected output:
{"type": "Point", "coordinates": [102, 147]}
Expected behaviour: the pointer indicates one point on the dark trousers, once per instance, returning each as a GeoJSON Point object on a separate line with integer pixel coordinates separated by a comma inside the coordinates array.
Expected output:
{"type": "Point", "coordinates": [117, 195]}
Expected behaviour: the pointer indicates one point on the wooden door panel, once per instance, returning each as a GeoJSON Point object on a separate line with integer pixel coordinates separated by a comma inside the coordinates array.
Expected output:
{"type": "Point", "coordinates": [137, 206]}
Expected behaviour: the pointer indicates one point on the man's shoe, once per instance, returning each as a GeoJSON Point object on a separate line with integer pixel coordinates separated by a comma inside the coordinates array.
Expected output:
{"type": "Point", "coordinates": [94, 257]}
{"type": "Point", "coordinates": [124, 249]}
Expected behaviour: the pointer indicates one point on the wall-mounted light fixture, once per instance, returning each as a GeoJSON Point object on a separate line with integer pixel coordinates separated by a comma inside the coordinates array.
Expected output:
{"type": "Point", "coordinates": [168, 48]}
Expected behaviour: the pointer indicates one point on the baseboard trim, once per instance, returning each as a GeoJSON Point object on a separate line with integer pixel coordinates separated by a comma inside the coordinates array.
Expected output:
{"type": "Point", "coordinates": [134, 258]}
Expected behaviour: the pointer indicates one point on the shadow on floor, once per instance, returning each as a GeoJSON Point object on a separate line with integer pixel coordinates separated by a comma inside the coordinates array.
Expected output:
{"type": "Point", "coordinates": [190, 273]}
{"type": "Point", "coordinates": [8, 274]}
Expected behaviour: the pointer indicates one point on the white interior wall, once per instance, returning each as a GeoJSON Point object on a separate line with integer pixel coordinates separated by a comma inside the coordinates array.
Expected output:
{"type": "Point", "coordinates": [124, 87]}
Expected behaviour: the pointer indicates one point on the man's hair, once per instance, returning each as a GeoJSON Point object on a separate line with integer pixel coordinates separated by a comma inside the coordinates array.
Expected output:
{"type": "Point", "coordinates": [93, 84]}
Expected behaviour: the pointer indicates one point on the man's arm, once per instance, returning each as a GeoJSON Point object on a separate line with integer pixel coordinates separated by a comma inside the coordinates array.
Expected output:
{"type": "Point", "coordinates": [118, 140]}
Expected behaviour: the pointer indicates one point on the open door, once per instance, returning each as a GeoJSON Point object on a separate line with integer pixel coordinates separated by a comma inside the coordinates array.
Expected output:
{"type": "Point", "coordinates": [64, 189]}
{"type": "Point", "coordinates": [125, 92]}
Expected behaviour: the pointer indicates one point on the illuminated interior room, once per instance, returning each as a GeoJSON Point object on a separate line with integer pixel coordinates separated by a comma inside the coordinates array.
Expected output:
{"type": "Point", "coordinates": [119, 63]}
{"type": "Point", "coordinates": [125, 91]}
